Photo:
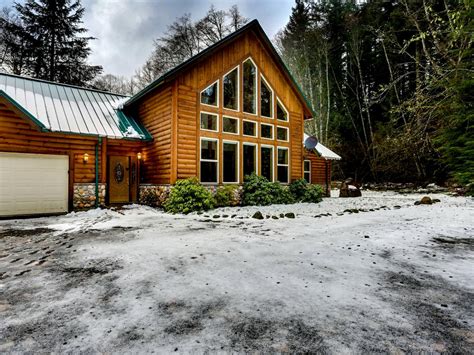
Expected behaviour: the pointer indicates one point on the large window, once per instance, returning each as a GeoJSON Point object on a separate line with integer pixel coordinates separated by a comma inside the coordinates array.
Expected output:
{"type": "Point", "coordinates": [231, 161]}
{"type": "Point", "coordinates": [250, 87]}
{"type": "Point", "coordinates": [266, 162]}
{"type": "Point", "coordinates": [266, 131]}
{"type": "Point", "coordinates": [307, 171]}
{"type": "Point", "coordinates": [266, 99]}
{"type": "Point", "coordinates": [249, 158]}
{"type": "Point", "coordinates": [230, 125]}
{"type": "Point", "coordinates": [282, 134]}
{"type": "Point", "coordinates": [231, 90]}
{"type": "Point", "coordinates": [282, 113]}
{"type": "Point", "coordinates": [209, 121]}
{"type": "Point", "coordinates": [210, 95]}
{"type": "Point", "coordinates": [283, 165]}
{"type": "Point", "coordinates": [249, 128]}
{"type": "Point", "coordinates": [209, 160]}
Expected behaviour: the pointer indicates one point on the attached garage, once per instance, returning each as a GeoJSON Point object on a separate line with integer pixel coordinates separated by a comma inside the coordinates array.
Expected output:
{"type": "Point", "coordinates": [33, 184]}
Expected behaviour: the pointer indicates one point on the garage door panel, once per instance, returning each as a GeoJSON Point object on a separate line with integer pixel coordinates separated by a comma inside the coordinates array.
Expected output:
{"type": "Point", "coordinates": [33, 183]}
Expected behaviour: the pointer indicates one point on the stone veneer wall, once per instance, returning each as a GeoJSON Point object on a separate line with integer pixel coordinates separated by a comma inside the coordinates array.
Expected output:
{"type": "Point", "coordinates": [84, 195]}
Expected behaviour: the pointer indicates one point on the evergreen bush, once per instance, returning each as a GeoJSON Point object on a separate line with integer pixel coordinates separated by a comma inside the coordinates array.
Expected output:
{"type": "Point", "coordinates": [226, 196]}
{"type": "Point", "coordinates": [188, 196]}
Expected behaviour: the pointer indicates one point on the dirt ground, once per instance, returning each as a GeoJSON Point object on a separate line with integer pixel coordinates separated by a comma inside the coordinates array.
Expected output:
{"type": "Point", "coordinates": [375, 274]}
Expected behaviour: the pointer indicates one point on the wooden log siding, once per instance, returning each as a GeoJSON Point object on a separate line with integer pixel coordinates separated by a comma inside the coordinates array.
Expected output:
{"type": "Point", "coordinates": [197, 78]}
{"type": "Point", "coordinates": [155, 113]}
{"type": "Point", "coordinates": [320, 169]}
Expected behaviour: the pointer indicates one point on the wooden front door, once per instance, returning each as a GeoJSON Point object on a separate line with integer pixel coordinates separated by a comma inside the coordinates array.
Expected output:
{"type": "Point", "coordinates": [119, 179]}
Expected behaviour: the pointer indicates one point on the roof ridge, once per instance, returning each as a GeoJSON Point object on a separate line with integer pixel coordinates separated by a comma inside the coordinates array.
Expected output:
{"type": "Point", "coordinates": [24, 77]}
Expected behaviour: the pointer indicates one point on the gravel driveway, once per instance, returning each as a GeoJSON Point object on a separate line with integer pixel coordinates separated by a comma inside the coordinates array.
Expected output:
{"type": "Point", "coordinates": [347, 275]}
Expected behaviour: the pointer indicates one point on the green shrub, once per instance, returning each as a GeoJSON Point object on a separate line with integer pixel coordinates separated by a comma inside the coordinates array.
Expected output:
{"type": "Point", "coordinates": [280, 194]}
{"type": "Point", "coordinates": [189, 196]}
{"type": "Point", "coordinates": [313, 193]}
{"type": "Point", "coordinates": [298, 189]}
{"type": "Point", "coordinates": [226, 196]}
{"type": "Point", "coordinates": [258, 191]}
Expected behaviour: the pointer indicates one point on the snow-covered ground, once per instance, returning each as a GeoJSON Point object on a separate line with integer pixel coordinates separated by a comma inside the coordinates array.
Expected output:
{"type": "Point", "coordinates": [386, 276]}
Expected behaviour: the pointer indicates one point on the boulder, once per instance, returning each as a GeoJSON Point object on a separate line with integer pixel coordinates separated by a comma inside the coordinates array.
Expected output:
{"type": "Point", "coordinates": [349, 189]}
{"type": "Point", "coordinates": [258, 215]}
{"type": "Point", "coordinates": [290, 215]}
{"type": "Point", "coordinates": [426, 200]}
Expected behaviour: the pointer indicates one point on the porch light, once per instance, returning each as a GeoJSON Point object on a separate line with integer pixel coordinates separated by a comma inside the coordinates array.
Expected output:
{"type": "Point", "coordinates": [139, 156]}
{"type": "Point", "coordinates": [85, 158]}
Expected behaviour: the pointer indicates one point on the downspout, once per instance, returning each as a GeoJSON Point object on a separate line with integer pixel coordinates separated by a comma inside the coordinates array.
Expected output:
{"type": "Point", "coordinates": [97, 172]}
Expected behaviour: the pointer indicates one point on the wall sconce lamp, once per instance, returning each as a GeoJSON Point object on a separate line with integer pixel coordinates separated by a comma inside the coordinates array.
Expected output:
{"type": "Point", "coordinates": [85, 158]}
{"type": "Point", "coordinates": [139, 156]}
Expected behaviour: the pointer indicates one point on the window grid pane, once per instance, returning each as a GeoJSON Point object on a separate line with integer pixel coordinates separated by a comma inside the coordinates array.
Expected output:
{"type": "Point", "coordinates": [250, 128]}
{"type": "Point", "coordinates": [230, 161]}
{"type": "Point", "coordinates": [250, 87]}
{"type": "Point", "coordinates": [266, 131]}
{"type": "Point", "coordinates": [249, 157]}
{"type": "Point", "coordinates": [231, 90]}
{"type": "Point", "coordinates": [230, 125]}
{"type": "Point", "coordinates": [282, 133]}
{"type": "Point", "coordinates": [209, 95]}
{"type": "Point", "coordinates": [208, 121]}
{"type": "Point", "coordinates": [266, 99]}
{"type": "Point", "coordinates": [281, 112]}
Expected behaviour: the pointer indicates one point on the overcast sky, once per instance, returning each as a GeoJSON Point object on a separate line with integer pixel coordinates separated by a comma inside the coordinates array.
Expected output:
{"type": "Point", "coordinates": [125, 29]}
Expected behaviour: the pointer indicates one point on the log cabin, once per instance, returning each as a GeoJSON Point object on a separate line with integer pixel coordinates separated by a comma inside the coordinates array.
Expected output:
{"type": "Point", "coordinates": [231, 110]}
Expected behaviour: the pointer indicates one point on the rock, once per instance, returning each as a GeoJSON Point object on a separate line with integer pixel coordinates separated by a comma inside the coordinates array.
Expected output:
{"type": "Point", "coordinates": [435, 200]}
{"type": "Point", "coordinates": [282, 215]}
{"type": "Point", "coordinates": [274, 217]}
{"type": "Point", "coordinates": [290, 215]}
{"type": "Point", "coordinates": [426, 200]}
{"type": "Point", "coordinates": [258, 215]}
{"type": "Point", "coordinates": [216, 216]}
{"type": "Point", "coordinates": [348, 189]}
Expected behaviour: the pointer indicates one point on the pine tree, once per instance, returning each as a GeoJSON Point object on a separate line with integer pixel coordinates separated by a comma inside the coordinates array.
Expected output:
{"type": "Point", "coordinates": [51, 30]}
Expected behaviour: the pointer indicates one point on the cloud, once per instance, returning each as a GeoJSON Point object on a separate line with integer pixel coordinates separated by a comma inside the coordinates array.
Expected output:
{"type": "Point", "coordinates": [125, 29]}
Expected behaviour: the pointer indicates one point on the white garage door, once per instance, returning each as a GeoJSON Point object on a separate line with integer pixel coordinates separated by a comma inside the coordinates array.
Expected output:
{"type": "Point", "coordinates": [33, 183]}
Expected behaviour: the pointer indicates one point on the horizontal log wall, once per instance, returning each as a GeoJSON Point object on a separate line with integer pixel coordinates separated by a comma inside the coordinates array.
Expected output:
{"type": "Point", "coordinates": [320, 169]}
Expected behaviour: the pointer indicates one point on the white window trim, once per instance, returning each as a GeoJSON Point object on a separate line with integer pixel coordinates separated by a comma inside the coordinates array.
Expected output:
{"type": "Point", "coordinates": [238, 162]}
{"type": "Point", "coordinates": [273, 131]}
{"type": "Point", "coordinates": [209, 113]}
{"type": "Point", "coordinates": [256, 128]}
{"type": "Point", "coordinates": [218, 90]}
{"type": "Point", "coordinates": [273, 159]}
{"type": "Point", "coordinates": [287, 164]}
{"type": "Point", "coordinates": [284, 108]}
{"type": "Point", "coordinates": [256, 87]}
{"type": "Point", "coordinates": [287, 134]}
{"type": "Point", "coordinates": [307, 171]}
{"type": "Point", "coordinates": [256, 155]}
{"type": "Point", "coordinates": [238, 125]}
{"type": "Point", "coordinates": [209, 160]}
{"type": "Point", "coordinates": [238, 89]}
{"type": "Point", "coordinates": [273, 98]}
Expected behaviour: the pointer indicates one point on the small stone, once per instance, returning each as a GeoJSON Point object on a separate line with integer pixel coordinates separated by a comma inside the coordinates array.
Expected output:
{"type": "Point", "coordinates": [426, 200]}
{"type": "Point", "coordinates": [366, 236]}
{"type": "Point", "coordinates": [282, 215]}
{"type": "Point", "coordinates": [216, 216]}
{"type": "Point", "coordinates": [274, 217]}
{"type": "Point", "coordinates": [258, 215]}
{"type": "Point", "coordinates": [290, 215]}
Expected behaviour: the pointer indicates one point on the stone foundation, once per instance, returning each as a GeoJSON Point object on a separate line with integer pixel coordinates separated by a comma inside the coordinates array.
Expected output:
{"type": "Point", "coordinates": [153, 195]}
{"type": "Point", "coordinates": [84, 195]}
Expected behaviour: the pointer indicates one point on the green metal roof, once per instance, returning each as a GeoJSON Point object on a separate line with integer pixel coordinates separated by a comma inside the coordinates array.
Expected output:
{"type": "Point", "coordinates": [168, 76]}
{"type": "Point", "coordinates": [62, 108]}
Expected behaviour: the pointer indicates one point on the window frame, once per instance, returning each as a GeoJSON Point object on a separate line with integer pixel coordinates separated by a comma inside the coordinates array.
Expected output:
{"type": "Point", "coordinates": [209, 160]}
{"type": "Point", "coordinates": [287, 165]}
{"type": "Point", "coordinates": [238, 125]}
{"type": "Point", "coordinates": [273, 160]}
{"type": "Point", "coordinates": [209, 113]}
{"type": "Point", "coordinates": [307, 171]}
{"type": "Point", "coordinates": [284, 108]}
{"type": "Point", "coordinates": [238, 89]}
{"type": "Point", "coordinates": [273, 131]}
{"type": "Point", "coordinates": [256, 128]}
{"type": "Point", "coordinates": [273, 98]}
{"type": "Point", "coordinates": [256, 156]}
{"type": "Point", "coordinates": [287, 134]}
{"type": "Point", "coordinates": [218, 90]}
{"type": "Point", "coordinates": [238, 161]}
{"type": "Point", "coordinates": [256, 88]}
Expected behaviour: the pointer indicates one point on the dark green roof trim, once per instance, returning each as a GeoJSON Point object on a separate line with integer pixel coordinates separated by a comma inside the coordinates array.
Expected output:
{"type": "Point", "coordinates": [176, 70]}
{"type": "Point", "coordinates": [125, 122]}
{"type": "Point", "coordinates": [25, 112]}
